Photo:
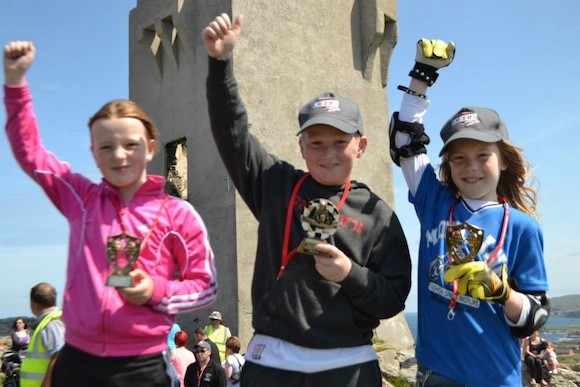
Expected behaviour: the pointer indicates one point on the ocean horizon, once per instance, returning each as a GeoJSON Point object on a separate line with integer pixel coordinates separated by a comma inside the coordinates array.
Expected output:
{"type": "Point", "coordinates": [553, 322]}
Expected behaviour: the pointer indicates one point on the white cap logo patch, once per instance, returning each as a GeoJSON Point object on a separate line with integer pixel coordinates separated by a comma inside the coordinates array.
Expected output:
{"type": "Point", "coordinates": [328, 104]}
{"type": "Point", "coordinates": [466, 119]}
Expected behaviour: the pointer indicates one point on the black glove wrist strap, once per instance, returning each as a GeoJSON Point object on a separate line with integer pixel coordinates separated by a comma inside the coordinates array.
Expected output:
{"type": "Point", "coordinates": [425, 73]}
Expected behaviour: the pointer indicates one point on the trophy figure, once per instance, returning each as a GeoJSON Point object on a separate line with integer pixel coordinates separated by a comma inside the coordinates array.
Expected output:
{"type": "Point", "coordinates": [122, 249]}
{"type": "Point", "coordinates": [320, 221]}
{"type": "Point", "coordinates": [463, 242]}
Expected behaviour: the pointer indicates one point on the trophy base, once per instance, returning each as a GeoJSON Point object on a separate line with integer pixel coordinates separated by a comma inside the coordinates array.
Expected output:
{"type": "Point", "coordinates": [120, 281]}
{"type": "Point", "coordinates": [307, 247]}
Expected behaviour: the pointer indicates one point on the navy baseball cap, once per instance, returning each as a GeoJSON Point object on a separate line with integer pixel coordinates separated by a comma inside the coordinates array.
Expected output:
{"type": "Point", "coordinates": [474, 123]}
{"type": "Point", "coordinates": [334, 110]}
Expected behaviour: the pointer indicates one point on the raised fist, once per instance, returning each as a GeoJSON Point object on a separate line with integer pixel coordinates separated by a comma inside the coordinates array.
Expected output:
{"type": "Point", "coordinates": [221, 35]}
{"type": "Point", "coordinates": [18, 57]}
{"type": "Point", "coordinates": [431, 56]}
{"type": "Point", "coordinates": [435, 53]}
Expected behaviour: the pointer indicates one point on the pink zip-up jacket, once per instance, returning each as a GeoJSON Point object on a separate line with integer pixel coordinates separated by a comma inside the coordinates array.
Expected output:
{"type": "Point", "coordinates": [177, 254]}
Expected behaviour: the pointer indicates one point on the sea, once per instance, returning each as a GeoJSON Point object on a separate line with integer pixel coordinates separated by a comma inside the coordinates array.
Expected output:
{"type": "Point", "coordinates": [553, 322]}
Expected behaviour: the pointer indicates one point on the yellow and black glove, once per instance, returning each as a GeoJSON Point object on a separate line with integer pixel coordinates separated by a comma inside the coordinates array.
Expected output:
{"type": "Point", "coordinates": [431, 56]}
{"type": "Point", "coordinates": [481, 282]}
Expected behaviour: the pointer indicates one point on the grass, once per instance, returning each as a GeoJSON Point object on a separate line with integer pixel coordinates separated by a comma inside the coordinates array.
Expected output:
{"type": "Point", "coordinates": [398, 381]}
{"type": "Point", "coordinates": [379, 344]}
{"type": "Point", "coordinates": [569, 360]}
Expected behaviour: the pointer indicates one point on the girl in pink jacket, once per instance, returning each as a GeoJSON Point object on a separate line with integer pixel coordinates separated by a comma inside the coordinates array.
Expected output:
{"type": "Point", "coordinates": [136, 255]}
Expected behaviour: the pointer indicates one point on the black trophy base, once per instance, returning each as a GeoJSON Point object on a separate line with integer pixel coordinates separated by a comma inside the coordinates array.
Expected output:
{"type": "Point", "coordinates": [307, 247]}
{"type": "Point", "coordinates": [120, 281]}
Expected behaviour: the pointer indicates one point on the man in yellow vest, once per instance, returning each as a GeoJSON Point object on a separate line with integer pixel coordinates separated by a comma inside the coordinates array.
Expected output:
{"type": "Point", "coordinates": [47, 339]}
{"type": "Point", "coordinates": [218, 333]}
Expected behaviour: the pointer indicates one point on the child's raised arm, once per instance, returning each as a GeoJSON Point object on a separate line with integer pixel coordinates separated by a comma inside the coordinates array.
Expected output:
{"type": "Point", "coordinates": [18, 57]}
{"type": "Point", "coordinates": [406, 133]}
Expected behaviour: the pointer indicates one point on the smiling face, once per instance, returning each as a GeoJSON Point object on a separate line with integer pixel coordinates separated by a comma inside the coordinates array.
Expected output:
{"type": "Point", "coordinates": [122, 150]}
{"type": "Point", "coordinates": [330, 154]}
{"type": "Point", "coordinates": [475, 168]}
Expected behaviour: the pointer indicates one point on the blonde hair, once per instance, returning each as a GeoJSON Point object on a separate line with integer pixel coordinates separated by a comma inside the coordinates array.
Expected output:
{"type": "Point", "coordinates": [124, 108]}
{"type": "Point", "coordinates": [512, 183]}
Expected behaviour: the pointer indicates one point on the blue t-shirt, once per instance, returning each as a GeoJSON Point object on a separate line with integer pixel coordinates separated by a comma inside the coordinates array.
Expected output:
{"type": "Point", "coordinates": [476, 347]}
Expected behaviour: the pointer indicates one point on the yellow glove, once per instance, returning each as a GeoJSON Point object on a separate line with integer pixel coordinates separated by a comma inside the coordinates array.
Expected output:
{"type": "Point", "coordinates": [481, 282]}
{"type": "Point", "coordinates": [431, 56]}
{"type": "Point", "coordinates": [435, 53]}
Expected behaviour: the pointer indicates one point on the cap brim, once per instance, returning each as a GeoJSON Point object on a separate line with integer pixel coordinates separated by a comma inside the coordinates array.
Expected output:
{"type": "Point", "coordinates": [330, 121]}
{"type": "Point", "coordinates": [471, 134]}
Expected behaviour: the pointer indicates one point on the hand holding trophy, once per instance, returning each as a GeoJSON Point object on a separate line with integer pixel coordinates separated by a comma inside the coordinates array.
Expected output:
{"type": "Point", "coordinates": [464, 242]}
{"type": "Point", "coordinates": [320, 221]}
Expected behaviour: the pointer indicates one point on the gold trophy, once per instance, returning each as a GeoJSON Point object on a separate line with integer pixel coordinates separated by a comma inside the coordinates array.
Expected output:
{"type": "Point", "coordinates": [126, 249]}
{"type": "Point", "coordinates": [320, 221]}
{"type": "Point", "coordinates": [463, 242]}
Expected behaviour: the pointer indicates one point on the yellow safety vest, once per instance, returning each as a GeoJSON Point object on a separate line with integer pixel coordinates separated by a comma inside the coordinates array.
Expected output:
{"type": "Point", "coordinates": [219, 338]}
{"type": "Point", "coordinates": [36, 362]}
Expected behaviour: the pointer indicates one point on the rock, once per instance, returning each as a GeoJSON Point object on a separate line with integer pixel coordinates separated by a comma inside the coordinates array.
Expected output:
{"type": "Point", "coordinates": [395, 349]}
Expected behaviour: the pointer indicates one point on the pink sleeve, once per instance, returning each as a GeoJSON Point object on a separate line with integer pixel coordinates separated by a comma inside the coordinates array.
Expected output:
{"type": "Point", "coordinates": [62, 187]}
{"type": "Point", "coordinates": [197, 285]}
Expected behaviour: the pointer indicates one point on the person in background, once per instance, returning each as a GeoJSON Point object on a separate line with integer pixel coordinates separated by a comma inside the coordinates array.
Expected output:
{"type": "Point", "coordinates": [204, 372]}
{"type": "Point", "coordinates": [234, 361]}
{"type": "Point", "coordinates": [218, 333]}
{"type": "Point", "coordinates": [482, 279]}
{"type": "Point", "coordinates": [201, 335]}
{"type": "Point", "coordinates": [20, 336]}
{"type": "Point", "coordinates": [534, 346]}
{"type": "Point", "coordinates": [128, 239]}
{"type": "Point", "coordinates": [47, 339]}
{"type": "Point", "coordinates": [171, 345]}
{"type": "Point", "coordinates": [182, 357]}
{"type": "Point", "coordinates": [550, 358]}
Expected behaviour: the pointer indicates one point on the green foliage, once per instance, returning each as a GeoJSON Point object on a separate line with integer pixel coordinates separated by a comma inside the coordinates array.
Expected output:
{"type": "Point", "coordinates": [398, 381]}
{"type": "Point", "coordinates": [569, 360]}
{"type": "Point", "coordinates": [379, 344]}
{"type": "Point", "coordinates": [567, 306]}
{"type": "Point", "coordinates": [377, 340]}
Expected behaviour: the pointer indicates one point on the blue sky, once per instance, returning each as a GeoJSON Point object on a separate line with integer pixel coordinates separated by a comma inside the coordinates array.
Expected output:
{"type": "Point", "coordinates": [518, 57]}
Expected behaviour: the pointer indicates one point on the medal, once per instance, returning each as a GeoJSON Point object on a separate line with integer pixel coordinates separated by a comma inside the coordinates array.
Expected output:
{"type": "Point", "coordinates": [463, 242]}
{"type": "Point", "coordinates": [324, 212]}
{"type": "Point", "coordinates": [122, 248]}
{"type": "Point", "coordinates": [320, 221]}
{"type": "Point", "coordinates": [123, 252]}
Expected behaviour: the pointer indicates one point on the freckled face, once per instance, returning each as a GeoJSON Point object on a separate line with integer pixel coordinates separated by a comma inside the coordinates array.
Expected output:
{"type": "Point", "coordinates": [476, 168]}
{"type": "Point", "coordinates": [122, 150]}
{"type": "Point", "coordinates": [330, 154]}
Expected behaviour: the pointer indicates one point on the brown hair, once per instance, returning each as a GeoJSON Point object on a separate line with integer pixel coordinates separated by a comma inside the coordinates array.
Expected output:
{"type": "Point", "coordinates": [23, 320]}
{"type": "Point", "coordinates": [124, 108]}
{"type": "Point", "coordinates": [512, 182]}
{"type": "Point", "coordinates": [43, 294]}
{"type": "Point", "coordinates": [234, 344]}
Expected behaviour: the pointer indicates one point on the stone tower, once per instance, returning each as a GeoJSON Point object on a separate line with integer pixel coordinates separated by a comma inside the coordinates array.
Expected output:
{"type": "Point", "coordinates": [289, 52]}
